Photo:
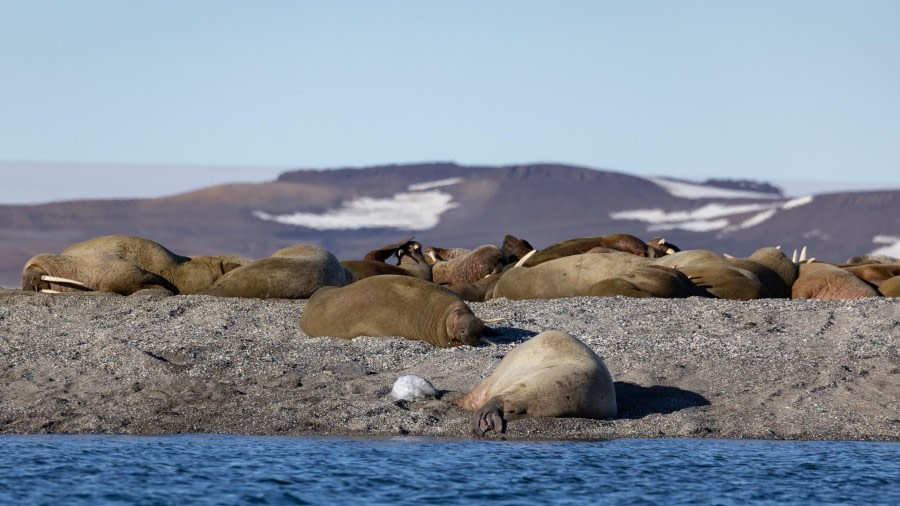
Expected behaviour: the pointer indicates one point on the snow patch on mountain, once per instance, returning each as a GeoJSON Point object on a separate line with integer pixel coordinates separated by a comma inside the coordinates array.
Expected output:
{"type": "Point", "coordinates": [757, 219]}
{"type": "Point", "coordinates": [699, 191]}
{"type": "Point", "coordinates": [434, 184]}
{"type": "Point", "coordinates": [802, 201]}
{"type": "Point", "coordinates": [416, 210]}
{"type": "Point", "coordinates": [692, 226]}
{"type": "Point", "coordinates": [892, 247]}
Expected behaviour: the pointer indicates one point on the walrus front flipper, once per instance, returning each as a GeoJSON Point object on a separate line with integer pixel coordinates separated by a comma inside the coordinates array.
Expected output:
{"type": "Point", "coordinates": [489, 417]}
{"type": "Point", "coordinates": [383, 253]}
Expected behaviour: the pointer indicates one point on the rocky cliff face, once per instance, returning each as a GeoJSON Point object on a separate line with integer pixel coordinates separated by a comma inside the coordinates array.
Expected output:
{"type": "Point", "coordinates": [352, 210]}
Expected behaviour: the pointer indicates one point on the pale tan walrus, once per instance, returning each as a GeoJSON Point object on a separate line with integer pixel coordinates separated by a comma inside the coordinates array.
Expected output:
{"type": "Point", "coordinates": [391, 305]}
{"type": "Point", "coordinates": [551, 375]}
{"type": "Point", "coordinates": [123, 264]}
{"type": "Point", "coordinates": [295, 272]}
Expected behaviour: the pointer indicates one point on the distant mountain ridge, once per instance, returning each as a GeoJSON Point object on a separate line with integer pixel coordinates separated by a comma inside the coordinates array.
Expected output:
{"type": "Point", "coordinates": [352, 210]}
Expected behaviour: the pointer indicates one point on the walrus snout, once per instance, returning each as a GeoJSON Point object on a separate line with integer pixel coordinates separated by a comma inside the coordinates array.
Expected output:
{"type": "Point", "coordinates": [32, 282]}
{"type": "Point", "coordinates": [465, 328]}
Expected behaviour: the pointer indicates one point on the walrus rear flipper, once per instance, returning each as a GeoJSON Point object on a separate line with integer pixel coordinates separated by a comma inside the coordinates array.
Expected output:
{"type": "Point", "coordinates": [489, 417]}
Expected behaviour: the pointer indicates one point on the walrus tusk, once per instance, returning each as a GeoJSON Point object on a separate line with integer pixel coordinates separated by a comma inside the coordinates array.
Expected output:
{"type": "Point", "coordinates": [488, 341]}
{"type": "Point", "coordinates": [803, 254]}
{"type": "Point", "coordinates": [47, 290]}
{"type": "Point", "coordinates": [492, 321]}
{"type": "Point", "coordinates": [525, 258]}
{"type": "Point", "coordinates": [794, 256]}
{"type": "Point", "coordinates": [778, 247]}
{"type": "Point", "coordinates": [661, 241]}
{"type": "Point", "coordinates": [726, 255]}
{"type": "Point", "coordinates": [670, 251]}
{"type": "Point", "coordinates": [61, 281]}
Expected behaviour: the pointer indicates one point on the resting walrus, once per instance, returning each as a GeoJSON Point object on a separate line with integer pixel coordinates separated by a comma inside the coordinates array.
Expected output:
{"type": "Point", "coordinates": [551, 375]}
{"type": "Point", "coordinates": [124, 264]}
{"type": "Point", "coordinates": [391, 305]}
{"type": "Point", "coordinates": [295, 272]}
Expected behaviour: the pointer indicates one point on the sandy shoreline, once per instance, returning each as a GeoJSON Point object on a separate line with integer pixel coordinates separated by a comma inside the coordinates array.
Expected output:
{"type": "Point", "coordinates": [153, 363]}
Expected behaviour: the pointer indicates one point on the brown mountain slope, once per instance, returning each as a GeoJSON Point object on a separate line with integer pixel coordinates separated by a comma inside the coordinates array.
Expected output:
{"type": "Point", "coordinates": [543, 203]}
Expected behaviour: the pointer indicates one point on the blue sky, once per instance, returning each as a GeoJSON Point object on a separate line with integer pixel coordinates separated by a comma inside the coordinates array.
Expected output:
{"type": "Point", "coordinates": [769, 90]}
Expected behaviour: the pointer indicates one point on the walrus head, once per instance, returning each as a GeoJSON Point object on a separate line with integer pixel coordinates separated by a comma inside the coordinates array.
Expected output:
{"type": "Point", "coordinates": [36, 276]}
{"type": "Point", "coordinates": [413, 250]}
{"type": "Point", "coordinates": [658, 247]}
{"type": "Point", "coordinates": [464, 328]}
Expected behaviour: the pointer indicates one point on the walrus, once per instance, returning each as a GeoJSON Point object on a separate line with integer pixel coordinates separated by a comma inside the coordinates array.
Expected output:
{"type": "Point", "coordinates": [468, 267]}
{"type": "Point", "coordinates": [410, 261]}
{"type": "Point", "coordinates": [53, 273]}
{"type": "Point", "coordinates": [295, 272]}
{"type": "Point", "coordinates": [646, 281]}
{"type": "Point", "coordinates": [391, 305]}
{"type": "Point", "coordinates": [773, 269]}
{"type": "Point", "coordinates": [476, 291]}
{"type": "Point", "coordinates": [715, 275]}
{"type": "Point", "coordinates": [873, 259]}
{"type": "Point", "coordinates": [569, 276]}
{"type": "Point", "coordinates": [551, 375]}
{"type": "Point", "coordinates": [434, 254]}
{"type": "Point", "coordinates": [124, 264]}
{"type": "Point", "coordinates": [620, 242]}
{"type": "Point", "coordinates": [514, 249]}
{"type": "Point", "coordinates": [875, 274]}
{"type": "Point", "coordinates": [659, 247]}
{"type": "Point", "coordinates": [823, 281]}
{"type": "Point", "coordinates": [890, 287]}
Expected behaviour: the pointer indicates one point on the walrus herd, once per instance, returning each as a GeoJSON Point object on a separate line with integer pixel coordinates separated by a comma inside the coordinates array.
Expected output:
{"type": "Point", "coordinates": [422, 296]}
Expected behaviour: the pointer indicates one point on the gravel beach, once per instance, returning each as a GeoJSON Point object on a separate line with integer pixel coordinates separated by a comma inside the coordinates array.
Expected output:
{"type": "Point", "coordinates": [153, 363]}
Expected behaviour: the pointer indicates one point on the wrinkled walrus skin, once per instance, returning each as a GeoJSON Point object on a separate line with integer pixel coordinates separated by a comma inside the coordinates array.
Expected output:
{"type": "Point", "coordinates": [551, 375]}
{"type": "Point", "coordinates": [827, 282]}
{"type": "Point", "coordinates": [468, 267]}
{"type": "Point", "coordinates": [391, 305]}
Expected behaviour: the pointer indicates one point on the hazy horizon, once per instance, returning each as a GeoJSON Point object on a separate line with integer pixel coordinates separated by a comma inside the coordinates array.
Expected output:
{"type": "Point", "coordinates": [43, 182]}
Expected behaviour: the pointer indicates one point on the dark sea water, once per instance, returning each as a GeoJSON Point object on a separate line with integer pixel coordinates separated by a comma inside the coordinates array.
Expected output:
{"type": "Point", "coordinates": [219, 469]}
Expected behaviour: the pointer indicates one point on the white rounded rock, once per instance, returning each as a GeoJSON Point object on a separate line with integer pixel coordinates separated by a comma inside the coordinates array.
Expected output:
{"type": "Point", "coordinates": [409, 388]}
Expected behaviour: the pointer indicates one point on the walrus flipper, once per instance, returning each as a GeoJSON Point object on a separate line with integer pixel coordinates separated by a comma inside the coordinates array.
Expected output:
{"type": "Point", "coordinates": [488, 417]}
{"type": "Point", "coordinates": [383, 253]}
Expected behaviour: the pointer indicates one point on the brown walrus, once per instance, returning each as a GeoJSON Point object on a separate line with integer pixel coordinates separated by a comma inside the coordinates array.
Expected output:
{"type": "Point", "coordinates": [124, 264]}
{"type": "Point", "coordinates": [295, 272]}
{"type": "Point", "coordinates": [890, 287]}
{"type": "Point", "coordinates": [715, 275]}
{"type": "Point", "coordinates": [646, 281]}
{"type": "Point", "coordinates": [620, 242]}
{"type": "Point", "coordinates": [569, 276]}
{"type": "Point", "coordinates": [468, 267]}
{"type": "Point", "coordinates": [392, 305]}
{"type": "Point", "coordinates": [773, 269]}
{"type": "Point", "coordinates": [550, 375]}
{"type": "Point", "coordinates": [514, 249]}
{"type": "Point", "coordinates": [434, 254]}
{"type": "Point", "coordinates": [410, 261]}
{"type": "Point", "coordinates": [823, 281]}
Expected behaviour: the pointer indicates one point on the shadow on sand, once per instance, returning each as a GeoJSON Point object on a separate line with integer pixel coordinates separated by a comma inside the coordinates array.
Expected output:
{"type": "Point", "coordinates": [507, 335]}
{"type": "Point", "coordinates": [635, 401]}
